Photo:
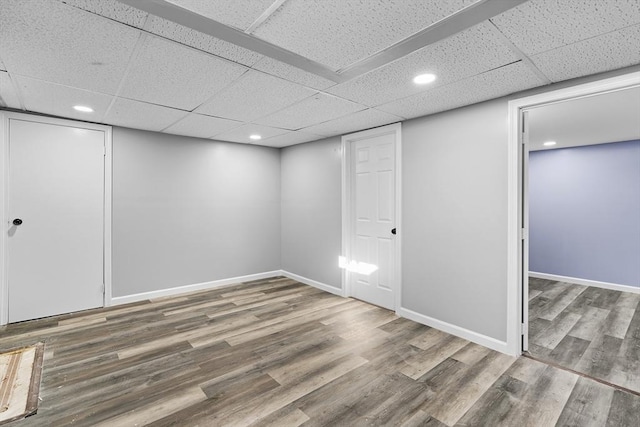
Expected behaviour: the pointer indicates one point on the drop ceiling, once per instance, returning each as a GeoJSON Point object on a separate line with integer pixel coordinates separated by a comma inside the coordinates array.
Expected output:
{"type": "Point", "coordinates": [295, 70]}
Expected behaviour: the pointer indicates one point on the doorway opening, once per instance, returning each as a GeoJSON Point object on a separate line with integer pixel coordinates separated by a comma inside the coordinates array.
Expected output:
{"type": "Point", "coordinates": [556, 317]}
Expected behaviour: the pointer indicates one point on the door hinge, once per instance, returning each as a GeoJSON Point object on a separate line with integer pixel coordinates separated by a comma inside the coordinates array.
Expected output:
{"type": "Point", "coordinates": [523, 233]}
{"type": "Point", "coordinates": [104, 151]}
{"type": "Point", "coordinates": [522, 328]}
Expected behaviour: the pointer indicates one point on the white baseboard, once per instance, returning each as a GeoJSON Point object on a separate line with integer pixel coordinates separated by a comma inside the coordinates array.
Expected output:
{"type": "Point", "coordinates": [311, 282]}
{"type": "Point", "coordinates": [191, 288]}
{"type": "Point", "coordinates": [475, 337]}
{"type": "Point", "coordinates": [585, 282]}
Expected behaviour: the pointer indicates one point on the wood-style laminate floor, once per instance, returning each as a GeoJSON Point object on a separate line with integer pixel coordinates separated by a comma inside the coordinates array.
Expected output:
{"type": "Point", "coordinates": [590, 330]}
{"type": "Point", "coordinates": [279, 353]}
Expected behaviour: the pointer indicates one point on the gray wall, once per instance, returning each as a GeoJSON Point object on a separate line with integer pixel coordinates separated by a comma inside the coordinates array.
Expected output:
{"type": "Point", "coordinates": [311, 210]}
{"type": "Point", "coordinates": [454, 216]}
{"type": "Point", "coordinates": [584, 212]}
{"type": "Point", "coordinates": [454, 253]}
{"type": "Point", "coordinates": [189, 210]}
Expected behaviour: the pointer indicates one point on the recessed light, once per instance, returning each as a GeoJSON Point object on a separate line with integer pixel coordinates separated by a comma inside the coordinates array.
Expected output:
{"type": "Point", "coordinates": [255, 137]}
{"type": "Point", "coordinates": [423, 79]}
{"type": "Point", "coordinates": [83, 108]}
{"type": "Point", "coordinates": [549, 143]}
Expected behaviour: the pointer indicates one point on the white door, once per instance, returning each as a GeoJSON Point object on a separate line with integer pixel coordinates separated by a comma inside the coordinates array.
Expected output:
{"type": "Point", "coordinates": [56, 219]}
{"type": "Point", "coordinates": [373, 216]}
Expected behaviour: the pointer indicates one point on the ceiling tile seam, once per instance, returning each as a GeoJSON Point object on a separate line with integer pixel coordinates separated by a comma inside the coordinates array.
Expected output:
{"type": "Point", "coordinates": [181, 16]}
{"type": "Point", "coordinates": [248, 123]}
{"type": "Point", "coordinates": [135, 52]}
{"type": "Point", "coordinates": [188, 113]}
{"type": "Point", "coordinates": [302, 129]}
{"type": "Point", "coordinates": [448, 26]}
{"type": "Point", "coordinates": [12, 77]}
{"type": "Point", "coordinates": [102, 16]}
{"type": "Point", "coordinates": [519, 53]}
{"type": "Point", "coordinates": [228, 86]}
{"type": "Point", "coordinates": [586, 39]}
{"type": "Point", "coordinates": [318, 92]}
{"type": "Point", "coordinates": [16, 87]}
{"type": "Point", "coordinates": [435, 88]}
{"type": "Point", "coordinates": [245, 75]}
{"type": "Point", "coordinates": [265, 15]}
{"type": "Point", "coordinates": [152, 34]}
{"type": "Point", "coordinates": [281, 109]}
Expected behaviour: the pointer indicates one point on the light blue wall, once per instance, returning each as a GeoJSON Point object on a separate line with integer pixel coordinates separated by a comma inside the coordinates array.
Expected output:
{"type": "Point", "coordinates": [584, 212]}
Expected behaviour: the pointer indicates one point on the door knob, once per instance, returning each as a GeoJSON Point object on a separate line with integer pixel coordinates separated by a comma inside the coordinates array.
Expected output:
{"type": "Point", "coordinates": [17, 221]}
{"type": "Point", "coordinates": [393, 231]}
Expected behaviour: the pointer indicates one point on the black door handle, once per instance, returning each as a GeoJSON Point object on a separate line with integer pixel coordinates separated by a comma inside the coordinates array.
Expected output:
{"type": "Point", "coordinates": [17, 221]}
{"type": "Point", "coordinates": [393, 231]}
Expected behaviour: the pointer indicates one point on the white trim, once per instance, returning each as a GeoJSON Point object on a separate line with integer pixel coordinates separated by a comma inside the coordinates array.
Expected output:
{"type": "Point", "coordinates": [314, 283]}
{"type": "Point", "coordinates": [347, 202]}
{"type": "Point", "coordinates": [586, 282]}
{"type": "Point", "coordinates": [194, 287]}
{"type": "Point", "coordinates": [4, 218]}
{"type": "Point", "coordinates": [5, 116]}
{"type": "Point", "coordinates": [472, 336]}
{"type": "Point", "coordinates": [515, 308]}
{"type": "Point", "coordinates": [108, 210]}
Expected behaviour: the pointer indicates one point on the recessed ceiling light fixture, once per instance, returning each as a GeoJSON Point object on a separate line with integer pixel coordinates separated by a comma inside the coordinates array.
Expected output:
{"type": "Point", "coordinates": [255, 137]}
{"type": "Point", "coordinates": [549, 143]}
{"type": "Point", "coordinates": [83, 108]}
{"type": "Point", "coordinates": [423, 79]}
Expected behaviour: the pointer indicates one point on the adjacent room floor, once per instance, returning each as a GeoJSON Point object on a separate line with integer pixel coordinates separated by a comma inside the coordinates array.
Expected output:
{"type": "Point", "coordinates": [276, 352]}
{"type": "Point", "coordinates": [590, 330]}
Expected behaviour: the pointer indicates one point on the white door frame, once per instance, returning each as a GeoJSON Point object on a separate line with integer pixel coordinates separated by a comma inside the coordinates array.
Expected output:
{"type": "Point", "coordinates": [517, 308]}
{"type": "Point", "coordinates": [5, 116]}
{"type": "Point", "coordinates": [348, 203]}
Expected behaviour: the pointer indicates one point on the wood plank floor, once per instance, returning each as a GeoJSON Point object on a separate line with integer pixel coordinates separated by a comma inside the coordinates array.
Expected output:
{"type": "Point", "coordinates": [590, 330]}
{"type": "Point", "coordinates": [279, 353]}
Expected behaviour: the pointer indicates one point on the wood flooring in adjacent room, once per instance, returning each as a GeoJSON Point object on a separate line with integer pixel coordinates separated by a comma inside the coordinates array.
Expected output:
{"type": "Point", "coordinates": [590, 330]}
{"type": "Point", "coordinates": [279, 353]}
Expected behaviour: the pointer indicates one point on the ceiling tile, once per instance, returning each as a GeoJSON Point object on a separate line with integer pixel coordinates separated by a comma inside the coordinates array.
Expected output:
{"type": "Point", "coordinates": [111, 9]}
{"type": "Point", "coordinates": [316, 109]}
{"type": "Point", "coordinates": [140, 115]}
{"type": "Point", "coordinates": [241, 134]}
{"type": "Point", "coordinates": [291, 138]}
{"type": "Point", "coordinates": [8, 95]}
{"type": "Point", "coordinates": [254, 95]}
{"type": "Point", "coordinates": [343, 32]}
{"type": "Point", "coordinates": [293, 74]}
{"type": "Point", "coordinates": [354, 122]}
{"type": "Point", "coordinates": [540, 25]}
{"type": "Point", "coordinates": [173, 75]}
{"type": "Point", "coordinates": [492, 84]}
{"type": "Point", "coordinates": [58, 100]}
{"type": "Point", "coordinates": [198, 40]}
{"type": "Point", "coordinates": [607, 52]}
{"type": "Point", "coordinates": [54, 42]}
{"type": "Point", "coordinates": [236, 13]}
{"type": "Point", "coordinates": [470, 52]}
{"type": "Point", "coordinates": [200, 126]}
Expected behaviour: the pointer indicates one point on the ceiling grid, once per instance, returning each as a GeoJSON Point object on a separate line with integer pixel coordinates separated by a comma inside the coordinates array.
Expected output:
{"type": "Point", "coordinates": [295, 70]}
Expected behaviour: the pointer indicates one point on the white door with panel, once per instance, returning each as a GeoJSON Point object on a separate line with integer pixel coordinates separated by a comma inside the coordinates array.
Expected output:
{"type": "Point", "coordinates": [56, 219]}
{"type": "Point", "coordinates": [373, 217]}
